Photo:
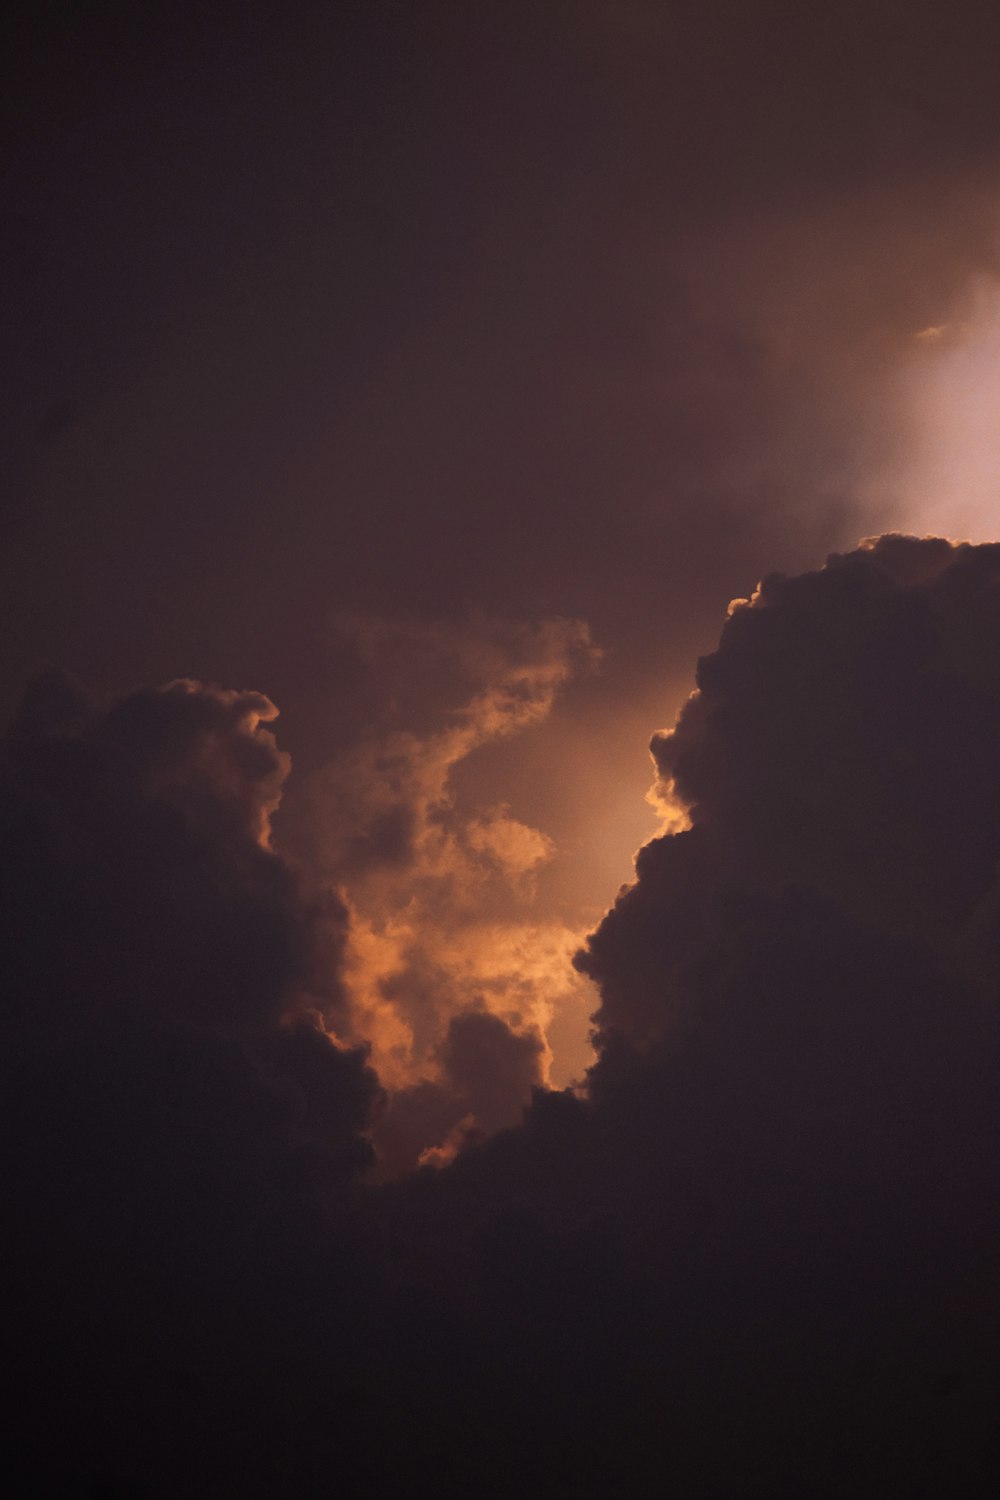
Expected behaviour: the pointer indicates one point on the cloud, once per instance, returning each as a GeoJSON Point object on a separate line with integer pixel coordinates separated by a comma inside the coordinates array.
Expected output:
{"type": "Point", "coordinates": [488, 1071]}
{"type": "Point", "coordinates": [383, 804]}
{"type": "Point", "coordinates": [772, 1211]}
{"type": "Point", "coordinates": [439, 886]}
{"type": "Point", "coordinates": [141, 898]}
{"type": "Point", "coordinates": [942, 475]}
{"type": "Point", "coordinates": [841, 738]}
{"type": "Point", "coordinates": [799, 989]}
{"type": "Point", "coordinates": [775, 1207]}
{"type": "Point", "coordinates": [138, 844]}
{"type": "Point", "coordinates": [182, 1131]}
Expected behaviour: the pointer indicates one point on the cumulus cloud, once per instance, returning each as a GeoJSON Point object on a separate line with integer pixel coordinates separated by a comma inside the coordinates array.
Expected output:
{"type": "Point", "coordinates": [137, 862]}
{"type": "Point", "coordinates": [773, 1210]}
{"type": "Point", "coordinates": [141, 897]}
{"type": "Point", "coordinates": [842, 738]}
{"type": "Point", "coordinates": [439, 887]}
{"type": "Point", "coordinates": [807, 973]}
{"type": "Point", "coordinates": [782, 1182]}
{"type": "Point", "coordinates": [179, 1124]}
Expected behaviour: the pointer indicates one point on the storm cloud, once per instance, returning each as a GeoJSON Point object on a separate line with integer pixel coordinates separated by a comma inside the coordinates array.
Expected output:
{"type": "Point", "coordinates": [180, 1130]}
{"type": "Point", "coordinates": [773, 1207]}
{"type": "Point", "coordinates": [444, 371]}
{"type": "Point", "coordinates": [783, 1177]}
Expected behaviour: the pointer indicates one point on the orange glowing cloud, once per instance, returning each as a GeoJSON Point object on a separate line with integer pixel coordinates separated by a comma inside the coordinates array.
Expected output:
{"type": "Point", "coordinates": [441, 889]}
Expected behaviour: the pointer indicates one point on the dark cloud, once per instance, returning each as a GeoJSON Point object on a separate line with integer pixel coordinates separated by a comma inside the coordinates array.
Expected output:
{"type": "Point", "coordinates": [844, 733]}
{"type": "Point", "coordinates": [788, 1151]}
{"type": "Point", "coordinates": [842, 737]}
{"type": "Point", "coordinates": [137, 867]}
{"type": "Point", "coordinates": [756, 1255]}
{"type": "Point", "coordinates": [339, 335]}
{"type": "Point", "coordinates": [180, 1132]}
{"type": "Point", "coordinates": [487, 1070]}
{"type": "Point", "coordinates": [495, 1067]}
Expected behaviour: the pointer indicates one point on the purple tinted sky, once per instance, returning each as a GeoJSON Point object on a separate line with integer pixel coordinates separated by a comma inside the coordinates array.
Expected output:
{"type": "Point", "coordinates": [420, 311]}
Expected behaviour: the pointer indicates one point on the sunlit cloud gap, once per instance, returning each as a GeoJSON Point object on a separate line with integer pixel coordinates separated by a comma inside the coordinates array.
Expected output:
{"type": "Point", "coordinates": [444, 920]}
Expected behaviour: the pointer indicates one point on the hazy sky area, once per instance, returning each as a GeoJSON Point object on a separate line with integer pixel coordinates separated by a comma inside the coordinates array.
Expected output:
{"type": "Point", "coordinates": [465, 318]}
{"type": "Point", "coordinates": [418, 384]}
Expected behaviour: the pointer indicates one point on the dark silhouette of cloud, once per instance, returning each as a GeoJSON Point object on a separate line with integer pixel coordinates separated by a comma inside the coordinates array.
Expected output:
{"type": "Point", "coordinates": [779, 1195]}
{"type": "Point", "coordinates": [488, 1071]}
{"type": "Point", "coordinates": [380, 325]}
{"type": "Point", "coordinates": [843, 737]}
{"type": "Point", "coordinates": [756, 1256]}
{"type": "Point", "coordinates": [180, 1132]}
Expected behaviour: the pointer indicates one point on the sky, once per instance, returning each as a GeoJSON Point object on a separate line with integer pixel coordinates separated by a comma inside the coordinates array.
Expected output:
{"type": "Point", "coordinates": [346, 348]}
{"type": "Point", "coordinates": [400, 401]}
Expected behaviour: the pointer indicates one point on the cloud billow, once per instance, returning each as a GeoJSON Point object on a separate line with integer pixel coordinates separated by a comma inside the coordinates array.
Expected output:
{"type": "Point", "coordinates": [450, 972]}
{"type": "Point", "coordinates": [792, 1131]}
{"type": "Point", "coordinates": [756, 1256]}
{"type": "Point", "coordinates": [842, 738]}
{"type": "Point", "coordinates": [181, 1133]}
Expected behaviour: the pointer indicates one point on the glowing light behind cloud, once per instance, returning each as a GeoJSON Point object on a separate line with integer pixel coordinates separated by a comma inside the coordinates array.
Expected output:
{"type": "Point", "coordinates": [947, 478]}
{"type": "Point", "coordinates": [446, 914]}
